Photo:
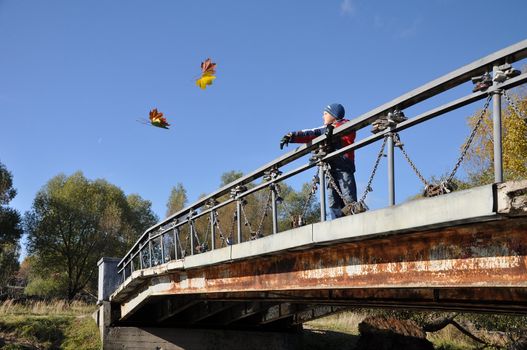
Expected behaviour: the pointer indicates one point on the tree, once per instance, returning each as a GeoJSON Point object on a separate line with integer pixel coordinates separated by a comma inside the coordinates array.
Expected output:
{"type": "Point", "coordinates": [74, 222]}
{"type": "Point", "coordinates": [230, 176]}
{"type": "Point", "coordinates": [10, 228]}
{"type": "Point", "coordinates": [480, 157]}
{"type": "Point", "coordinates": [177, 199]}
{"type": "Point", "coordinates": [140, 217]}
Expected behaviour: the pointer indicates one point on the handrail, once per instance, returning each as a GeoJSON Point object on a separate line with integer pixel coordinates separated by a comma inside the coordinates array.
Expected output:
{"type": "Point", "coordinates": [457, 77]}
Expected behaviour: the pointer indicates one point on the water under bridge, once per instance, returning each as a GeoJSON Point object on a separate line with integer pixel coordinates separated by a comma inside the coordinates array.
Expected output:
{"type": "Point", "coordinates": [193, 282]}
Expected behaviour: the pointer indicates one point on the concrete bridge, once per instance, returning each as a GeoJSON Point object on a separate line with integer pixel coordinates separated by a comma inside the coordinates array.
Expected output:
{"type": "Point", "coordinates": [464, 250]}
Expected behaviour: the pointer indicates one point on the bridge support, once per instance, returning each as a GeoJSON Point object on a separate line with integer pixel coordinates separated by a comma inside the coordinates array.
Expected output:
{"type": "Point", "coordinates": [169, 338]}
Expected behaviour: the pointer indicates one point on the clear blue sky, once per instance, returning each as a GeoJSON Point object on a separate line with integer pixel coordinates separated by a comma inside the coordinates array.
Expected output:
{"type": "Point", "coordinates": [75, 76]}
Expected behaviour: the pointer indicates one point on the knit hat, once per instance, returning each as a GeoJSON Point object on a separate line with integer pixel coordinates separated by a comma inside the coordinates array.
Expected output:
{"type": "Point", "coordinates": [336, 110]}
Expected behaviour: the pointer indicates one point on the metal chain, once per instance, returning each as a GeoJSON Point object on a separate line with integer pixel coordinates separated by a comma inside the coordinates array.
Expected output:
{"type": "Point", "coordinates": [314, 186]}
{"type": "Point", "coordinates": [181, 250]}
{"type": "Point", "coordinates": [305, 206]}
{"type": "Point", "coordinates": [192, 228]}
{"type": "Point", "coordinates": [349, 208]}
{"type": "Point", "coordinates": [202, 247]}
{"type": "Point", "coordinates": [368, 188]}
{"type": "Point", "coordinates": [333, 184]}
{"type": "Point", "coordinates": [264, 214]}
{"type": "Point", "coordinates": [513, 105]}
{"type": "Point", "coordinates": [278, 190]}
{"type": "Point", "coordinates": [184, 251]}
{"type": "Point", "coordinates": [223, 237]}
{"type": "Point", "coordinates": [469, 141]}
{"type": "Point", "coordinates": [398, 143]}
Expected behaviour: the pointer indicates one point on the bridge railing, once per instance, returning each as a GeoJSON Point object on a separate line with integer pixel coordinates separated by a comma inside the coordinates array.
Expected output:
{"type": "Point", "coordinates": [163, 242]}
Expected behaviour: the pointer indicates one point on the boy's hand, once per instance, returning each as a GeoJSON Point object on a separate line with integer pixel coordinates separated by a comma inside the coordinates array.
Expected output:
{"type": "Point", "coordinates": [285, 140]}
{"type": "Point", "coordinates": [329, 130]}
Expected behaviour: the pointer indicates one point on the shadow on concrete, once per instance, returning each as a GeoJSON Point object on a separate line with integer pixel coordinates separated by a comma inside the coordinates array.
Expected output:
{"type": "Point", "coordinates": [314, 339]}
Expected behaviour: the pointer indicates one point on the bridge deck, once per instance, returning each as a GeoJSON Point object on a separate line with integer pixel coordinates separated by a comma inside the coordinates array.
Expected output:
{"type": "Point", "coordinates": [464, 250]}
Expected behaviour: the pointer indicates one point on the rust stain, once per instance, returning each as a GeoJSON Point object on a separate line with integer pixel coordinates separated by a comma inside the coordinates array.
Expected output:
{"type": "Point", "coordinates": [472, 255]}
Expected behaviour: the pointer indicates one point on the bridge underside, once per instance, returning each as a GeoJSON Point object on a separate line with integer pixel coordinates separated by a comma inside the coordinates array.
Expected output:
{"type": "Point", "coordinates": [478, 264]}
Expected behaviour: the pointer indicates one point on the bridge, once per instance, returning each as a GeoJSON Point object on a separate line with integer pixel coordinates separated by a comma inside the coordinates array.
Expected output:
{"type": "Point", "coordinates": [214, 276]}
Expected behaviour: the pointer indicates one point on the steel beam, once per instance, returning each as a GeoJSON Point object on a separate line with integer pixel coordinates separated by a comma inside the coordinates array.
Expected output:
{"type": "Point", "coordinates": [170, 307]}
{"type": "Point", "coordinates": [240, 311]}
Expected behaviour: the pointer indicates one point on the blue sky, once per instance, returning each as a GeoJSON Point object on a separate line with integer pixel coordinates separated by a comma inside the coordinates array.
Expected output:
{"type": "Point", "coordinates": [76, 75]}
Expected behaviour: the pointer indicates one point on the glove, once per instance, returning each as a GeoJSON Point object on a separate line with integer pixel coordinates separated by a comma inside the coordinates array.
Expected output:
{"type": "Point", "coordinates": [285, 140]}
{"type": "Point", "coordinates": [329, 130]}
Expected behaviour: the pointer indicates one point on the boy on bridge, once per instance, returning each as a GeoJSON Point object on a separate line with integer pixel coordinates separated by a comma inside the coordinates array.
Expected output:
{"type": "Point", "coordinates": [342, 166]}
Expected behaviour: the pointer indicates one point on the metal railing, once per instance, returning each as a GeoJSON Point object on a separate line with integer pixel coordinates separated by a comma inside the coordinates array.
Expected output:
{"type": "Point", "coordinates": [159, 243]}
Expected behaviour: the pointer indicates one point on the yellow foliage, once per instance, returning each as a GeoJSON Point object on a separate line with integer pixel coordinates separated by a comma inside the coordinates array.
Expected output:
{"type": "Point", "coordinates": [205, 80]}
{"type": "Point", "coordinates": [480, 156]}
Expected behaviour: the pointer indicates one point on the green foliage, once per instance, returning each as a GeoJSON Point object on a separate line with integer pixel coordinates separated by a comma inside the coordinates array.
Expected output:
{"type": "Point", "coordinates": [44, 333]}
{"type": "Point", "coordinates": [49, 332]}
{"type": "Point", "coordinates": [74, 222]}
{"type": "Point", "coordinates": [177, 199]}
{"type": "Point", "coordinates": [82, 333]}
{"type": "Point", "coordinates": [230, 176]}
{"type": "Point", "coordinates": [294, 203]}
{"type": "Point", "coordinates": [51, 287]}
{"type": "Point", "coordinates": [10, 228]}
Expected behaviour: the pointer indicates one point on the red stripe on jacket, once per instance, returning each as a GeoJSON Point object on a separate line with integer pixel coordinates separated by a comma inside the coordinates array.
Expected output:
{"type": "Point", "coordinates": [304, 136]}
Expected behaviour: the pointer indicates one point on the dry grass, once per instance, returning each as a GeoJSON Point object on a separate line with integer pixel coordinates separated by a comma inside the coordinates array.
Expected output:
{"type": "Point", "coordinates": [56, 307]}
{"type": "Point", "coordinates": [345, 322]}
{"type": "Point", "coordinates": [48, 325]}
{"type": "Point", "coordinates": [451, 338]}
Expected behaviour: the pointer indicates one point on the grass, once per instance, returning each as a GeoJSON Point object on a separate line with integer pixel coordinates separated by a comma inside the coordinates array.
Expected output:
{"type": "Point", "coordinates": [450, 338]}
{"type": "Point", "coordinates": [337, 331]}
{"type": "Point", "coordinates": [48, 325]}
{"type": "Point", "coordinates": [341, 331]}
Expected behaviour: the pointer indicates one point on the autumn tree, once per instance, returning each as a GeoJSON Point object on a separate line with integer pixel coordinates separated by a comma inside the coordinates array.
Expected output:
{"type": "Point", "coordinates": [177, 199]}
{"type": "Point", "coordinates": [10, 228]}
{"type": "Point", "coordinates": [75, 221]}
{"type": "Point", "coordinates": [480, 157]}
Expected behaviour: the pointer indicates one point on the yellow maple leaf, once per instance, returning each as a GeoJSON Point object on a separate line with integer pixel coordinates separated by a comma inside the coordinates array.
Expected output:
{"type": "Point", "coordinates": [205, 80]}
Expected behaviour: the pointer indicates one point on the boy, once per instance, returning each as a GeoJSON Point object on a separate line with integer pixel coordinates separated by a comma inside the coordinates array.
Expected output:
{"type": "Point", "coordinates": [342, 166]}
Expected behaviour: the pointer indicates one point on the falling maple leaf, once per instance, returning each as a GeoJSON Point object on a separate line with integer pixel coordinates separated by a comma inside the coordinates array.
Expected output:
{"type": "Point", "coordinates": [205, 80]}
{"type": "Point", "coordinates": [208, 69]}
{"type": "Point", "coordinates": [156, 119]}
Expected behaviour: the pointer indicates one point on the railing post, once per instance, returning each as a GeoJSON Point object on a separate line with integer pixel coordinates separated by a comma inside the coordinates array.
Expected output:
{"type": "Point", "coordinates": [239, 219]}
{"type": "Point", "coordinates": [274, 209]}
{"type": "Point", "coordinates": [176, 236]}
{"type": "Point", "coordinates": [140, 257]}
{"type": "Point", "coordinates": [212, 231]}
{"type": "Point", "coordinates": [191, 226]}
{"type": "Point", "coordinates": [150, 250]}
{"type": "Point", "coordinates": [162, 246]}
{"type": "Point", "coordinates": [391, 173]}
{"type": "Point", "coordinates": [496, 118]}
{"type": "Point", "coordinates": [322, 177]}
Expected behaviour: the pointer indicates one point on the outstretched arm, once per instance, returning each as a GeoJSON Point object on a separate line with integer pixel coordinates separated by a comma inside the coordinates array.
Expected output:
{"type": "Point", "coordinates": [306, 135]}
